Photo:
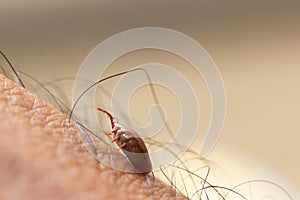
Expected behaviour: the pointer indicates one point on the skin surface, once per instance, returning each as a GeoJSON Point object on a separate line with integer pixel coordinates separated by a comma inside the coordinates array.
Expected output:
{"type": "Point", "coordinates": [42, 157]}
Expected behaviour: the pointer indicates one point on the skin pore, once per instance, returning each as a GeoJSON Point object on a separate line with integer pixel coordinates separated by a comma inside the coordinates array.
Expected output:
{"type": "Point", "coordinates": [42, 157]}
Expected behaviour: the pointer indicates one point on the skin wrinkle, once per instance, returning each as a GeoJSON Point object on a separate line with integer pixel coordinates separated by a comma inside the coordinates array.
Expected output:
{"type": "Point", "coordinates": [42, 157]}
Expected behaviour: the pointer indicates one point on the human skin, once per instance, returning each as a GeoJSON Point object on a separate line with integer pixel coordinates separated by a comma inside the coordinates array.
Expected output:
{"type": "Point", "coordinates": [42, 158]}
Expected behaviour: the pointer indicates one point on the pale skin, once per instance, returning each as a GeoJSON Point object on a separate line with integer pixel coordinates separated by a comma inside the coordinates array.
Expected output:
{"type": "Point", "coordinates": [42, 158]}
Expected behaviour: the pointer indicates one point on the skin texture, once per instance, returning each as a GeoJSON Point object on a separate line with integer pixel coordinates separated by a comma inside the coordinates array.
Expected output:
{"type": "Point", "coordinates": [42, 157]}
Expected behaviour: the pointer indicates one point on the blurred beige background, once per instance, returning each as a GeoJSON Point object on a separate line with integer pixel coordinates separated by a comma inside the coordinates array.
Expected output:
{"type": "Point", "coordinates": [255, 45]}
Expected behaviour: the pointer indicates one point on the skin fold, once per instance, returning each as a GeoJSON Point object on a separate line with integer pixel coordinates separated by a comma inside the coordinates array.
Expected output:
{"type": "Point", "coordinates": [42, 158]}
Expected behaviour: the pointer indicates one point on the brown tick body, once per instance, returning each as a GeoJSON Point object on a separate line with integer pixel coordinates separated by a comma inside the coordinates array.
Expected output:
{"type": "Point", "coordinates": [131, 144]}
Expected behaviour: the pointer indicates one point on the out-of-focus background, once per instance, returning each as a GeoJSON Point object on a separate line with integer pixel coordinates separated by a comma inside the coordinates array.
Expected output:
{"type": "Point", "coordinates": [255, 45]}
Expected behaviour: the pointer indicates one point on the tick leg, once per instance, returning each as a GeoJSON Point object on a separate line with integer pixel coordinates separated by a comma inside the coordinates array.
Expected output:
{"type": "Point", "coordinates": [123, 146]}
{"type": "Point", "coordinates": [115, 130]}
{"type": "Point", "coordinates": [117, 138]}
{"type": "Point", "coordinates": [108, 134]}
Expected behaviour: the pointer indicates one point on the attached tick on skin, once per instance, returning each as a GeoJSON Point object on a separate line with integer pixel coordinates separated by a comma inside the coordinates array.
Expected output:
{"type": "Point", "coordinates": [131, 144]}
